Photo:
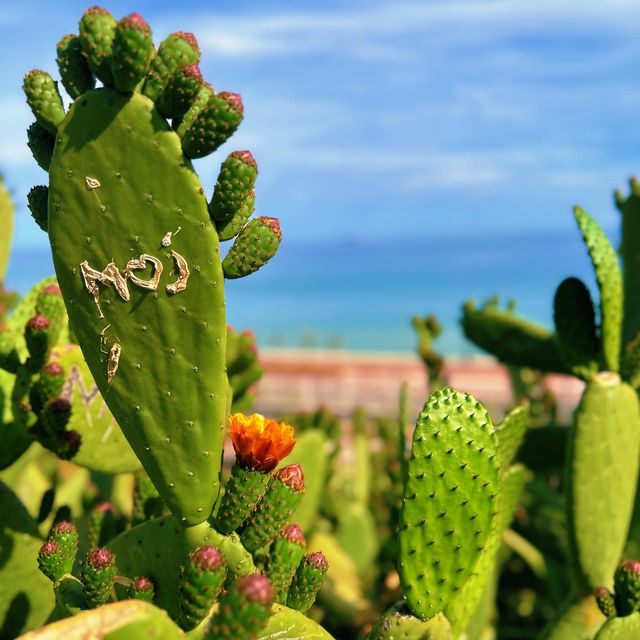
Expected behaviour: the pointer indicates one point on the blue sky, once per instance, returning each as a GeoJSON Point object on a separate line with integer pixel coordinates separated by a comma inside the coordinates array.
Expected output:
{"type": "Point", "coordinates": [389, 119]}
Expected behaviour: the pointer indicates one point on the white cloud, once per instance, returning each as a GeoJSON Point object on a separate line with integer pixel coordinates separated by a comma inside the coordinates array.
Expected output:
{"type": "Point", "coordinates": [445, 23]}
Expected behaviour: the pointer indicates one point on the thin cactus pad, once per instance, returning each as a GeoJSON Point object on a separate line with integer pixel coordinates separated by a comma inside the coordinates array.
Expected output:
{"type": "Point", "coordinates": [609, 277]}
{"type": "Point", "coordinates": [449, 501]}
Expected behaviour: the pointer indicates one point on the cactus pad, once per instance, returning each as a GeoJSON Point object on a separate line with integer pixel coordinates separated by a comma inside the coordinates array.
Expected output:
{"type": "Point", "coordinates": [449, 500]}
{"type": "Point", "coordinates": [575, 324]}
{"type": "Point", "coordinates": [153, 336]}
{"type": "Point", "coordinates": [609, 277]}
{"type": "Point", "coordinates": [602, 469]}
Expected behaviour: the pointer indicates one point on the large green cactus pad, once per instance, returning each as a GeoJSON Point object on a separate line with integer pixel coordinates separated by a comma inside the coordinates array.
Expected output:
{"type": "Point", "coordinates": [119, 187]}
{"type": "Point", "coordinates": [602, 468]}
{"type": "Point", "coordinates": [449, 500]}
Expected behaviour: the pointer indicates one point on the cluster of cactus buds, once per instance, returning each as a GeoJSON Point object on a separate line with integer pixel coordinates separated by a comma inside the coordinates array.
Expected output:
{"type": "Point", "coordinates": [39, 408]}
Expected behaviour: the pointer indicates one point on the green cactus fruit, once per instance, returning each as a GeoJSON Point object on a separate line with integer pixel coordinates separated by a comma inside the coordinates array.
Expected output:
{"type": "Point", "coordinates": [180, 92]}
{"type": "Point", "coordinates": [629, 207]}
{"type": "Point", "coordinates": [630, 365]}
{"type": "Point", "coordinates": [398, 622]}
{"type": "Point", "coordinates": [284, 492]}
{"type": "Point", "coordinates": [203, 575]}
{"type": "Point", "coordinates": [460, 610]}
{"type": "Point", "coordinates": [626, 628]}
{"type": "Point", "coordinates": [512, 339]}
{"type": "Point", "coordinates": [132, 50]}
{"type": "Point", "coordinates": [41, 143]}
{"type": "Point", "coordinates": [178, 49]}
{"type": "Point", "coordinates": [284, 557]}
{"type": "Point", "coordinates": [103, 445]}
{"type": "Point", "coordinates": [147, 503]}
{"type": "Point", "coordinates": [216, 121]}
{"type": "Point", "coordinates": [242, 492]}
{"type": "Point", "coordinates": [37, 200]}
{"type": "Point", "coordinates": [182, 124]}
{"type": "Point", "coordinates": [626, 581]}
{"type": "Point", "coordinates": [166, 544]}
{"type": "Point", "coordinates": [176, 308]}
{"type": "Point", "coordinates": [609, 277]}
{"type": "Point", "coordinates": [606, 602]}
{"type": "Point", "coordinates": [510, 433]}
{"type": "Point", "coordinates": [65, 535]}
{"type": "Point", "coordinates": [54, 417]}
{"type": "Point", "coordinates": [254, 246]}
{"type": "Point", "coordinates": [44, 99]}
{"type": "Point", "coordinates": [73, 66]}
{"type": "Point", "coordinates": [49, 303]}
{"type": "Point", "coordinates": [449, 500]}
{"type": "Point", "coordinates": [231, 227]}
{"type": "Point", "coordinates": [102, 525]}
{"type": "Point", "coordinates": [38, 336]}
{"type": "Point", "coordinates": [97, 30]}
{"type": "Point", "coordinates": [98, 576]}
{"type": "Point", "coordinates": [142, 589]}
{"type": "Point", "coordinates": [307, 582]}
{"type": "Point", "coordinates": [243, 610]}
{"type": "Point", "coordinates": [235, 181]}
{"type": "Point", "coordinates": [601, 474]}
{"type": "Point", "coordinates": [47, 387]}
{"type": "Point", "coordinates": [51, 560]}
{"type": "Point", "coordinates": [575, 323]}
{"type": "Point", "coordinates": [241, 350]}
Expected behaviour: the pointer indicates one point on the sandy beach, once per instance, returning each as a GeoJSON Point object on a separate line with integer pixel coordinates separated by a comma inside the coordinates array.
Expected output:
{"type": "Point", "coordinates": [305, 379]}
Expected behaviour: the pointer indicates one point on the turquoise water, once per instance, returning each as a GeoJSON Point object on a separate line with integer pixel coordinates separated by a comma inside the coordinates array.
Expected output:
{"type": "Point", "coordinates": [361, 295]}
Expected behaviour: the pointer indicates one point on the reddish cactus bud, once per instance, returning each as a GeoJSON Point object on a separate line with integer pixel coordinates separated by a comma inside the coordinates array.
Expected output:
{"type": "Point", "coordinates": [135, 21]}
{"type": "Point", "coordinates": [273, 224]}
{"type": "Point", "coordinates": [255, 588]}
{"type": "Point", "coordinates": [207, 558]}
{"type": "Point", "coordinates": [142, 589]}
{"type": "Point", "coordinates": [53, 369]}
{"type": "Point", "coordinates": [52, 289]}
{"type": "Point", "coordinates": [188, 37]}
{"type": "Point", "coordinates": [293, 533]}
{"type": "Point", "coordinates": [318, 561]}
{"type": "Point", "coordinates": [292, 477]}
{"type": "Point", "coordinates": [100, 558]}
{"type": "Point", "coordinates": [246, 157]}
{"type": "Point", "coordinates": [38, 323]}
{"type": "Point", "coordinates": [234, 100]}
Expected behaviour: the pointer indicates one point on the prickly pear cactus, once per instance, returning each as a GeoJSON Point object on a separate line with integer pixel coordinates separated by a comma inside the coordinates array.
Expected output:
{"type": "Point", "coordinates": [449, 501]}
{"type": "Point", "coordinates": [135, 250]}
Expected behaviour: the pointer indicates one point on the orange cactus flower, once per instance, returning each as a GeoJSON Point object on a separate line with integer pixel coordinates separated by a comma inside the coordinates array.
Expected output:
{"type": "Point", "coordinates": [260, 443]}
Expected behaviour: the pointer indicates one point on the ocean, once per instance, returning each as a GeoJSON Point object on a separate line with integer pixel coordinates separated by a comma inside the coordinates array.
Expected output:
{"type": "Point", "coordinates": [361, 295]}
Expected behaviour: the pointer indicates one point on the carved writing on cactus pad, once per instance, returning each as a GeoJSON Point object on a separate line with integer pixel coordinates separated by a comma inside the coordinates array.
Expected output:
{"type": "Point", "coordinates": [114, 360]}
{"type": "Point", "coordinates": [141, 263]}
{"type": "Point", "coordinates": [183, 274]}
{"type": "Point", "coordinates": [111, 276]}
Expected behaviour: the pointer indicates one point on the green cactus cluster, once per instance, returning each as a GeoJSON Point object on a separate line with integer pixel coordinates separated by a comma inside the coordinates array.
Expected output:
{"type": "Point", "coordinates": [120, 379]}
